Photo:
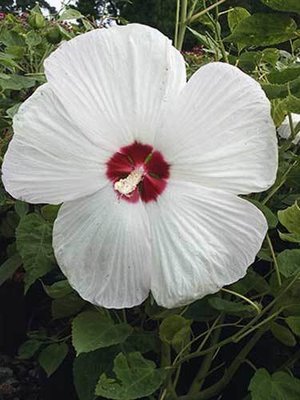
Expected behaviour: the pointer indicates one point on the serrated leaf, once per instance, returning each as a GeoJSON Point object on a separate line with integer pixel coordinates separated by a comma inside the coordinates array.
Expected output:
{"type": "Point", "coordinates": [263, 30]}
{"type": "Point", "coordinates": [92, 330]}
{"type": "Point", "coordinates": [9, 267]}
{"type": "Point", "coordinates": [289, 262]}
{"type": "Point", "coordinates": [283, 5]}
{"type": "Point", "coordinates": [58, 289]}
{"type": "Point", "coordinates": [283, 335]}
{"type": "Point", "coordinates": [135, 377]}
{"type": "Point", "coordinates": [279, 386]}
{"type": "Point", "coordinates": [235, 16]}
{"type": "Point", "coordinates": [67, 306]}
{"type": "Point", "coordinates": [281, 91]}
{"type": "Point", "coordinates": [294, 324]}
{"type": "Point", "coordinates": [34, 243]}
{"type": "Point", "coordinates": [290, 218]}
{"type": "Point", "coordinates": [29, 348]}
{"type": "Point", "coordinates": [176, 331]}
{"type": "Point", "coordinates": [88, 367]}
{"type": "Point", "coordinates": [52, 356]}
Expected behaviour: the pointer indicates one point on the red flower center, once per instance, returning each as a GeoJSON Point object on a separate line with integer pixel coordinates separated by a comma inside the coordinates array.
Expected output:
{"type": "Point", "coordinates": [138, 171]}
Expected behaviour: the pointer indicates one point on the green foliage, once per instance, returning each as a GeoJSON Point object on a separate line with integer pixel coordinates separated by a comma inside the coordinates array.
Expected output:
{"type": "Point", "coordinates": [278, 386]}
{"type": "Point", "coordinates": [135, 377]}
{"type": "Point", "coordinates": [92, 330]}
{"type": "Point", "coordinates": [147, 351]}
{"type": "Point", "coordinates": [52, 356]}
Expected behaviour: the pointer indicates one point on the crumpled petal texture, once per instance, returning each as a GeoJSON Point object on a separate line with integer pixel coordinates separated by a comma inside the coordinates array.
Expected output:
{"type": "Point", "coordinates": [111, 88]}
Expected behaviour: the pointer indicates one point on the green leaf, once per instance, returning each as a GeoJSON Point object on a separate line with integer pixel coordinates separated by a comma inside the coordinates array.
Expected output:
{"type": "Point", "coordinates": [9, 267]}
{"type": "Point", "coordinates": [290, 237]}
{"type": "Point", "coordinates": [283, 5]}
{"type": "Point", "coordinates": [251, 281]}
{"type": "Point", "coordinates": [67, 306]}
{"type": "Point", "coordinates": [176, 331]}
{"type": "Point", "coordinates": [278, 111]}
{"type": "Point", "coordinates": [21, 208]}
{"type": "Point", "coordinates": [34, 243]}
{"type": "Point", "coordinates": [270, 217]}
{"type": "Point", "coordinates": [281, 91]}
{"type": "Point", "coordinates": [294, 324]}
{"type": "Point", "coordinates": [283, 335]}
{"type": "Point", "coordinates": [231, 308]}
{"type": "Point", "coordinates": [201, 310]}
{"type": "Point", "coordinates": [52, 356]}
{"type": "Point", "coordinates": [279, 386]}
{"type": "Point", "coordinates": [91, 330]}
{"type": "Point", "coordinates": [235, 16]}
{"type": "Point", "coordinates": [88, 367]}
{"type": "Point", "coordinates": [141, 341]}
{"type": "Point", "coordinates": [284, 76]}
{"type": "Point", "coordinates": [58, 289]}
{"type": "Point", "coordinates": [292, 104]}
{"type": "Point", "coordinates": [289, 262]}
{"type": "Point", "coordinates": [29, 348]}
{"type": "Point", "coordinates": [263, 30]}
{"type": "Point", "coordinates": [49, 212]}
{"type": "Point", "coordinates": [136, 377]}
{"type": "Point", "coordinates": [15, 82]}
{"type": "Point", "coordinates": [290, 218]}
{"type": "Point", "coordinates": [70, 13]}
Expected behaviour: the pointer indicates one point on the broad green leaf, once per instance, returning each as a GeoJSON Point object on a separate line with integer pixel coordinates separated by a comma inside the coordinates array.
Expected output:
{"type": "Point", "coordinates": [135, 377]}
{"type": "Point", "coordinates": [249, 60]}
{"type": "Point", "coordinates": [290, 237]}
{"type": "Point", "coordinates": [290, 218]}
{"type": "Point", "coordinates": [289, 262]}
{"type": "Point", "coordinates": [278, 111]}
{"type": "Point", "coordinates": [294, 324]}
{"type": "Point", "coordinates": [15, 82]}
{"type": "Point", "coordinates": [141, 341]}
{"type": "Point", "coordinates": [231, 308]}
{"type": "Point", "coordinates": [9, 267]}
{"type": "Point", "coordinates": [176, 331]}
{"type": "Point", "coordinates": [251, 281]}
{"type": "Point", "coordinates": [49, 212]}
{"type": "Point", "coordinates": [283, 335]}
{"type": "Point", "coordinates": [270, 217]}
{"type": "Point", "coordinates": [201, 310]}
{"type": "Point", "coordinates": [52, 356]}
{"type": "Point", "coordinates": [63, 307]}
{"type": "Point", "coordinates": [292, 104]}
{"type": "Point", "coordinates": [21, 208]}
{"type": "Point", "coordinates": [34, 243]}
{"type": "Point", "coordinates": [281, 91]}
{"type": "Point", "coordinates": [284, 76]}
{"type": "Point", "coordinates": [283, 5]}
{"type": "Point", "coordinates": [88, 367]}
{"type": "Point", "coordinates": [235, 16]}
{"type": "Point", "coordinates": [91, 331]}
{"type": "Point", "coordinates": [263, 30]}
{"type": "Point", "coordinates": [29, 348]}
{"type": "Point", "coordinates": [58, 289]}
{"type": "Point", "coordinates": [70, 13]}
{"type": "Point", "coordinates": [279, 386]}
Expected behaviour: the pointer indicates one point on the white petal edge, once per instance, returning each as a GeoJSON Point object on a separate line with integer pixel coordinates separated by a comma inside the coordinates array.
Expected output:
{"type": "Point", "coordinates": [220, 132]}
{"type": "Point", "coordinates": [49, 159]}
{"type": "Point", "coordinates": [202, 240]}
{"type": "Point", "coordinates": [120, 80]}
{"type": "Point", "coordinates": [102, 245]}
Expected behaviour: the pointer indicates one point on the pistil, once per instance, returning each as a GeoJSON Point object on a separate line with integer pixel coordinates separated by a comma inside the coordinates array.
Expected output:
{"type": "Point", "coordinates": [127, 185]}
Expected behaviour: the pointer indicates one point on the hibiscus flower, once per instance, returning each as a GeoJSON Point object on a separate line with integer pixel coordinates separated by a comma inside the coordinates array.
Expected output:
{"type": "Point", "coordinates": [147, 166]}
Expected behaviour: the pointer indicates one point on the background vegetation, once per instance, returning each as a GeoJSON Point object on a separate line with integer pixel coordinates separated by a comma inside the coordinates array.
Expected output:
{"type": "Point", "coordinates": [241, 343]}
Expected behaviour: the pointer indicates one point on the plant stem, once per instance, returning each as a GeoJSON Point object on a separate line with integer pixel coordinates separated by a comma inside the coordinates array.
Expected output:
{"type": "Point", "coordinates": [177, 24]}
{"type": "Point", "coordinates": [228, 375]}
{"type": "Point", "coordinates": [182, 23]}
{"type": "Point", "coordinates": [292, 128]}
{"type": "Point", "coordinates": [206, 363]}
{"type": "Point", "coordinates": [274, 260]}
{"type": "Point", "coordinates": [200, 13]}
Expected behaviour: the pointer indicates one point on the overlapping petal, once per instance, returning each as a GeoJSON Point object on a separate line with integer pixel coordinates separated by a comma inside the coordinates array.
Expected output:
{"type": "Point", "coordinates": [202, 240]}
{"type": "Point", "coordinates": [50, 160]}
{"type": "Point", "coordinates": [118, 82]}
{"type": "Point", "coordinates": [102, 245]}
{"type": "Point", "coordinates": [220, 132]}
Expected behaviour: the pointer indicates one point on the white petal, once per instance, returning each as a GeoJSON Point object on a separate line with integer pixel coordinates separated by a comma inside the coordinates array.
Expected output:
{"type": "Point", "coordinates": [102, 245]}
{"type": "Point", "coordinates": [221, 133]}
{"type": "Point", "coordinates": [119, 79]}
{"type": "Point", "coordinates": [202, 240]}
{"type": "Point", "coordinates": [50, 160]}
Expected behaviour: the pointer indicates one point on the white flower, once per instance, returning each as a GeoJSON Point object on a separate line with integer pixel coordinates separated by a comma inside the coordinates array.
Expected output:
{"type": "Point", "coordinates": [147, 166]}
{"type": "Point", "coordinates": [284, 131]}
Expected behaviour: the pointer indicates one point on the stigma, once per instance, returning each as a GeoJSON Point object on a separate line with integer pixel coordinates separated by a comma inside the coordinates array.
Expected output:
{"type": "Point", "coordinates": [128, 185]}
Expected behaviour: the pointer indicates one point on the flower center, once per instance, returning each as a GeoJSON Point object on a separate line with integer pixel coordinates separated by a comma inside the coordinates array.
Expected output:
{"type": "Point", "coordinates": [138, 172]}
